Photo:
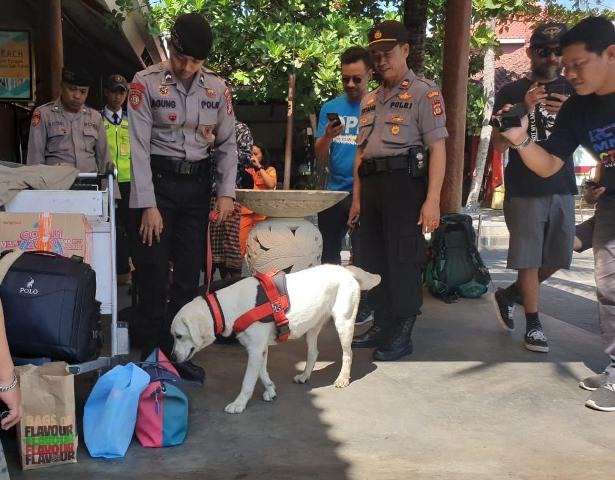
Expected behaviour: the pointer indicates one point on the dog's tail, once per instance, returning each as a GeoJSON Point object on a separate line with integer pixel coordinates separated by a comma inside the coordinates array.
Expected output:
{"type": "Point", "coordinates": [366, 280]}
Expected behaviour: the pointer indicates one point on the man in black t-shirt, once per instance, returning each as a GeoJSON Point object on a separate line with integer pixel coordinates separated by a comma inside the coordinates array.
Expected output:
{"type": "Point", "coordinates": [587, 119]}
{"type": "Point", "coordinates": [539, 212]}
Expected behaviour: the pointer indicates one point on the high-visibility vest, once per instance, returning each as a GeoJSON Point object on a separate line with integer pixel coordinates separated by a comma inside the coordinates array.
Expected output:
{"type": "Point", "coordinates": [118, 139]}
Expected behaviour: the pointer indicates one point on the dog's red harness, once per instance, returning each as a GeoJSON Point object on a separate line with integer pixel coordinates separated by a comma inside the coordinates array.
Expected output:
{"type": "Point", "coordinates": [274, 307]}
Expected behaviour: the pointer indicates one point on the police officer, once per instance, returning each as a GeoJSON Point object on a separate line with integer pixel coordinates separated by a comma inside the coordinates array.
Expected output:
{"type": "Point", "coordinates": [178, 113]}
{"type": "Point", "coordinates": [398, 176]}
{"type": "Point", "coordinates": [115, 121]}
{"type": "Point", "coordinates": [66, 131]}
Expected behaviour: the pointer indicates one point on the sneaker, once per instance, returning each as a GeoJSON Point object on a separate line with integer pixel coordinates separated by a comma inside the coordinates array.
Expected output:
{"type": "Point", "coordinates": [536, 341]}
{"type": "Point", "coordinates": [364, 316]}
{"type": "Point", "coordinates": [504, 309]}
{"type": "Point", "coordinates": [603, 398]}
{"type": "Point", "coordinates": [594, 382]}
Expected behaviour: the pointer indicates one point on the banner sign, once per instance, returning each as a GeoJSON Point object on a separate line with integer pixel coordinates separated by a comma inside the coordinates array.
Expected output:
{"type": "Point", "coordinates": [15, 66]}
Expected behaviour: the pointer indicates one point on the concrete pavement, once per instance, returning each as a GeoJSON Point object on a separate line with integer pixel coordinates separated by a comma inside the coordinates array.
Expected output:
{"type": "Point", "coordinates": [470, 403]}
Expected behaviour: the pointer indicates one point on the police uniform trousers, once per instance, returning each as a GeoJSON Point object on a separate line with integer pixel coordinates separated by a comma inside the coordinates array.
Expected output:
{"type": "Point", "coordinates": [123, 225]}
{"type": "Point", "coordinates": [392, 243]}
{"type": "Point", "coordinates": [183, 202]}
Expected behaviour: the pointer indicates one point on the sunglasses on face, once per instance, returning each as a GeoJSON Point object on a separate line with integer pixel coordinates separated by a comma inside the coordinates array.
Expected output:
{"type": "Point", "coordinates": [355, 79]}
{"type": "Point", "coordinates": [545, 52]}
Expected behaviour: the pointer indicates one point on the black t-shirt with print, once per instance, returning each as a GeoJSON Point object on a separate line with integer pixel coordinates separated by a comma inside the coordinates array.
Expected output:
{"type": "Point", "coordinates": [587, 120]}
{"type": "Point", "coordinates": [520, 181]}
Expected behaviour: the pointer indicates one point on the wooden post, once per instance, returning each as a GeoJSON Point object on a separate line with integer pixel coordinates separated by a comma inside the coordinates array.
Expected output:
{"type": "Point", "coordinates": [57, 46]}
{"type": "Point", "coordinates": [455, 91]}
{"type": "Point", "coordinates": [288, 152]}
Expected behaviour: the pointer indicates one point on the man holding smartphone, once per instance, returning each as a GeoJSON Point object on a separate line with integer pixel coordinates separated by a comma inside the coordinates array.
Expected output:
{"type": "Point", "coordinates": [338, 125]}
{"type": "Point", "coordinates": [539, 212]}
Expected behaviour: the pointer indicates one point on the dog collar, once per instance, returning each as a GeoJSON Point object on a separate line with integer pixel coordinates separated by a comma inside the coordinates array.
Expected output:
{"type": "Point", "coordinates": [217, 315]}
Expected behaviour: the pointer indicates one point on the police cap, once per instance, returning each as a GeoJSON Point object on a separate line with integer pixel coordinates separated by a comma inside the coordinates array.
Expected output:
{"type": "Point", "coordinates": [386, 35]}
{"type": "Point", "coordinates": [547, 33]}
{"type": "Point", "coordinates": [75, 75]}
{"type": "Point", "coordinates": [191, 35]}
{"type": "Point", "coordinates": [116, 81]}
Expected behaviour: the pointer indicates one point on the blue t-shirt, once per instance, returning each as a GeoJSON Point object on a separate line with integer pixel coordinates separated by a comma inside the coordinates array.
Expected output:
{"type": "Point", "coordinates": [343, 147]}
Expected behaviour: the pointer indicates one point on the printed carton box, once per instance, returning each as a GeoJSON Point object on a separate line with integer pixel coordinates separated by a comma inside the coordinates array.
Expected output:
{"type": "Point", "coordinates": [67, 234]}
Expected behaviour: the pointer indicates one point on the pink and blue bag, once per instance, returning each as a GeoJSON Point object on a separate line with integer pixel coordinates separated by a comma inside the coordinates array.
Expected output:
{"type": "Point", "coordinates": [162, 418]}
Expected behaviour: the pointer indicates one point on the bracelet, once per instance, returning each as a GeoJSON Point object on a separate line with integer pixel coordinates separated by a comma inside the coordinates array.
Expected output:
{"type": "Point", "coordinates": [523, 144]}
{"type": "Point", "coordinates": [13, 384]}
{"type": "Point", "coordinates": [256, 169]}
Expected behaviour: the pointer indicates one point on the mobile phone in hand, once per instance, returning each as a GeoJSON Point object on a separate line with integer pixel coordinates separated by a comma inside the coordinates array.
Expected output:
{"type": "Point", "coordinates": [591, 184]}
{"type": "Point", "coordinates": [335, 118]}
{"type": "Point", "coordinates": [551, 88]}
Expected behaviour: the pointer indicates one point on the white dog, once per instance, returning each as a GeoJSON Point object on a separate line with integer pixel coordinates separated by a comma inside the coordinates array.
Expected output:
{"type": "Point", "coordinates": [316, 295]}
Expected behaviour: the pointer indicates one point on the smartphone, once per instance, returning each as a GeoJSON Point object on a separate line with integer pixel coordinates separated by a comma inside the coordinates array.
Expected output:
{"type": "Point", "coordinates": [334, 117]}
{"type": "Point", "coordinates": [555, 87]}
{"type": "Point", "coordinates": [591, 184]}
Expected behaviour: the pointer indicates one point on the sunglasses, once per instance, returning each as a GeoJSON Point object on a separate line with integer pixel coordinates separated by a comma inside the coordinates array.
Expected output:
{"type": "Point", "coordinates": [545, 52]}
{"type": "Point", "coordinates": [355, 79]}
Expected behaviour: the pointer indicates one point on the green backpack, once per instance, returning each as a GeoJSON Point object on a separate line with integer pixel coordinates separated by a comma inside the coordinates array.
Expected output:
{"type": "Point", "coordinates": [455, 268]}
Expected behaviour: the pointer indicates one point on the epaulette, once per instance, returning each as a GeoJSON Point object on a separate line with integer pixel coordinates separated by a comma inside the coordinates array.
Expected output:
{"type": "Point", "coordinates": [157, 68]}
{"type": "Point", "coordinates": [429, 83]}
{"type": "Point", "coordinates": [211, 72]}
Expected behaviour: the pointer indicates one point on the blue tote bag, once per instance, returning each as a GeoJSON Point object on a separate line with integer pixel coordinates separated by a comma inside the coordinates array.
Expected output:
{"type": "Point", "coordinates": [111, 411]}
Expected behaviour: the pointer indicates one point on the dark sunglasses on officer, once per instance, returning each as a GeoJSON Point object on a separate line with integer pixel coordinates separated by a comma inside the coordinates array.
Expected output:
{"type": "Point", "coordinates": [356, 79]}
{"type": "Point", "coordinates": [545, 52]}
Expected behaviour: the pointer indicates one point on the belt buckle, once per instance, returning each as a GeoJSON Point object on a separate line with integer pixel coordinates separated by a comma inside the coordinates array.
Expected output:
{"type": "Point", "coordinates": [185, 168]}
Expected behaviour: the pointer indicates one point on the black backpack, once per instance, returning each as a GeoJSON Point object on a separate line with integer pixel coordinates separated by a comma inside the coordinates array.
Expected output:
{"type": "Point", "coordinates": [455, 268]}
{"type": "Point", "coordinates": [50, 308]}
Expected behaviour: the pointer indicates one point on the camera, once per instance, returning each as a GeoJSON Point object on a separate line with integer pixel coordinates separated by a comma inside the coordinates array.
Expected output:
{"type": "Point", "coordinates": [510, 119]}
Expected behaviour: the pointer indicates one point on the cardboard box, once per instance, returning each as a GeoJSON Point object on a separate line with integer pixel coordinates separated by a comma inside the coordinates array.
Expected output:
{"type": "Point", "coordinates": [67, 234]}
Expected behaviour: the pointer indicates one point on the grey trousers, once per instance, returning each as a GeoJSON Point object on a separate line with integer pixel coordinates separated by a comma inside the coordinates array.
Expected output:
{"type": "Point", "coordinates": [604, 258]}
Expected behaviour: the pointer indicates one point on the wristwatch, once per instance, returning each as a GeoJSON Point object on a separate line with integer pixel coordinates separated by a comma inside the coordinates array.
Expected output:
{"type": "Point", "coordinates": [523, 144]}
{"type": "Point", "coordinates": [11, 386]}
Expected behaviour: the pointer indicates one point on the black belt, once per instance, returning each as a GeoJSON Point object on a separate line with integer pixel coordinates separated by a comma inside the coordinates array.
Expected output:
{"type": "Point", "coordinates": [414, 163]}
{"type": "Point", "coordinates": [179, 166]}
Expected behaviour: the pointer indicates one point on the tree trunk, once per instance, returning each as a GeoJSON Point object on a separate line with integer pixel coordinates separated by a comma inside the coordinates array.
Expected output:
{"type": "Point", "coordinates": [288, 150]}
{"type": "Point", "coordinates": [415, 19]}
{"type": "Point", "coordinates": [485, 132]}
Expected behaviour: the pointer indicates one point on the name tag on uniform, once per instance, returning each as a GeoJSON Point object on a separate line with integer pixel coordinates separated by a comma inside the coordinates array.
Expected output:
{"type": "Point", "coordinates": [209, 104]}
{"type": "Point", "coordinates": [157, 103]}
{"type": "Point", "coordinates": [401, 105]}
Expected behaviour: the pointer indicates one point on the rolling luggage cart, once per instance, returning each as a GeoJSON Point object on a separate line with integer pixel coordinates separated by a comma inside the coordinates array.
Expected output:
{"type": "Point", "coordinates": [98, 206]}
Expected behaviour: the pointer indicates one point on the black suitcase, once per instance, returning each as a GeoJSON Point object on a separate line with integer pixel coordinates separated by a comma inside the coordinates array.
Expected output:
{"type": "Point", "coordinates": [50, 308]}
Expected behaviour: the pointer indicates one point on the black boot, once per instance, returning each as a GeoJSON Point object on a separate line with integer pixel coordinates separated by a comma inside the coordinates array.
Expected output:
{"type": "Point", "coordinates": [399, 343]}
{"type": "Point", "coordinates": [374, 336]}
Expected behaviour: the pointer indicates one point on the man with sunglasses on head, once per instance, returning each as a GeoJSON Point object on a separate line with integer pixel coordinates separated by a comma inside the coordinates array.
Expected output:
{"type": "Point", "coordinates": [587, 119]}
{"type": "Point", "coordinates": [399, 169]}
{"type": "Point", "coordinates": [539, 212]}
{"type": "Point", "coordinates": [336, 142]}
{"type": "Point", "coordinates": [181, 124]}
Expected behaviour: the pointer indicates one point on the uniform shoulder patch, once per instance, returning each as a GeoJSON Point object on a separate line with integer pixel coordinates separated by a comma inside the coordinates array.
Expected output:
{"type": "Point", "coordinates": [229, 101]}
{"type": "Point", "coordinates": [436, 108]}
{"type": "Point", "coordinates": [135, 95]}
{"type": "Point", "coordinates": [36, 118]}
{"type": "Point", "coordinates": [433, 93]}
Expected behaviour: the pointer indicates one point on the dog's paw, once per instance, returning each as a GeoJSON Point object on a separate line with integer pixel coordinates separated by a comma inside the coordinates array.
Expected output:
{"type": "Point", "coordinates": [235, 407]}
{"type": "Point", "coordinates": [300, 378]}
{"type": "Point", "coordinates": [341, 382]}
{"type": "Point", "coordinates": [269, 395]}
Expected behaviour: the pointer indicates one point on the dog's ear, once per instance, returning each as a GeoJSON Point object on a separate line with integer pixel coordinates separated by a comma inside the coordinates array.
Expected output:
{"type": "Point", "coordinates": [194, 330]}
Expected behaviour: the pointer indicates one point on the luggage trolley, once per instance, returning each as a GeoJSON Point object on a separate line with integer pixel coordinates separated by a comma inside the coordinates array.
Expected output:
{"type": "Point", "coordinates": [98, 206]}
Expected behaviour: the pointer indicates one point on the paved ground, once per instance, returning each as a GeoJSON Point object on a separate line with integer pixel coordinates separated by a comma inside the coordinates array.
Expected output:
{"type": "Point", "coordinates": [471, 403]}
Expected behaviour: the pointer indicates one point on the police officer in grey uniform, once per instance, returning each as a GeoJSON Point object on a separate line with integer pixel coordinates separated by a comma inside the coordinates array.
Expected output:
{"type": "Point", "coordinates": [68, 132]}
{"type": "Point", "coordinates": [179, 112]}
{"type": "Point", "coordinates": [399, 171]}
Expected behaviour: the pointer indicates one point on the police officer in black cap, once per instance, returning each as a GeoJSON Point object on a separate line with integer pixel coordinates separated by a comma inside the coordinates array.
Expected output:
{"type": "Point", "coordinates": [68, 132]}
{"type": "Point", "coordinates": [398, 177]}
{"type": "Point", "coordinates": [181, 124]}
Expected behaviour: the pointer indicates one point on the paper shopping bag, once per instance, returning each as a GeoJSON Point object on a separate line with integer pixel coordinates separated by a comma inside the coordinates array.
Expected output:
{"type": "Point", "coordinates": [47, 432]}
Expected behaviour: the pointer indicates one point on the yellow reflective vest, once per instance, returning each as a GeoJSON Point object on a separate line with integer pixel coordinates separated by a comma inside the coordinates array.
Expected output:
{"type": "Point", "coordinates": [118, 140]}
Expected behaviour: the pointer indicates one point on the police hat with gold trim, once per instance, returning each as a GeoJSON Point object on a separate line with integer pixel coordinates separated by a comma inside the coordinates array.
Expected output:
{"type": "Point", "coordinates": [191, 35]}
{"type": "Point", "coordinates": [116, 81]}
{"type": "Point", "coordinates": [386, 35]}
{"type": "Point", "coordinates": [547, 34]}
{"type": "Point", "coordinates": [77, 76]}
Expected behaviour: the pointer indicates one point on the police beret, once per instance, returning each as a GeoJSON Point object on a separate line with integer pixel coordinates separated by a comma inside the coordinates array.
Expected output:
{"type": "Point", "coordinates": [77, 76]}
{"type": "Point", "coordinates": [191, 35]}
{"type": "Point", "coordinates": [386, 35]}
{"type": "Point", "coordinates": [547, 33]}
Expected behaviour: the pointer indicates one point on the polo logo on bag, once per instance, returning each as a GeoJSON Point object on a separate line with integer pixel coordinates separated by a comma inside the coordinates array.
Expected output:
{"type": "Point", "coordinates": [28, 290]}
